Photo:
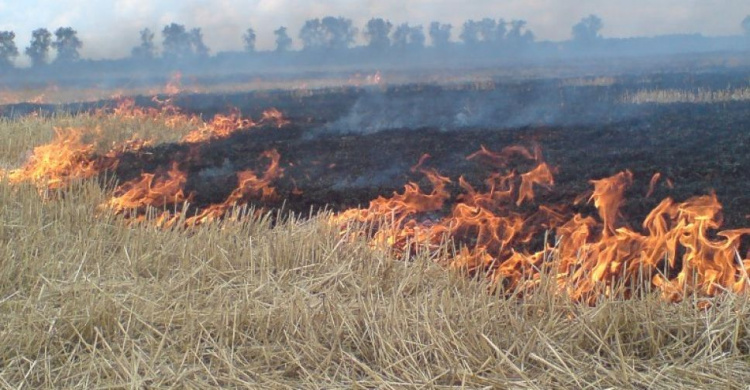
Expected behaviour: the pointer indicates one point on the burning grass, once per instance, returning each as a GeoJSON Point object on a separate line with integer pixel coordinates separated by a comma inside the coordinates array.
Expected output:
{"type": "Point", "coordinates": [263, 299]}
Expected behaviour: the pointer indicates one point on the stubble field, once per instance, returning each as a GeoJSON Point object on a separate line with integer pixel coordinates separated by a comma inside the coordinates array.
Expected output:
{"type": "Point", "coordinates": [291, 286]}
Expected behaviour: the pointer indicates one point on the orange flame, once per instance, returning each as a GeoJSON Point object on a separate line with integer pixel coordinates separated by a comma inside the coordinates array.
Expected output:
{"type": "Point", "coordinates": [55, 165]}
{"type": "Point", "coordinates": [274, 116]}
{"type": "Point", "coordinates": [590, 259]}
{"type": "Point", "coordinates": [151, 190]}
{"type": "Point", "coordinates": [499, 231]}
{"type": "Point", "coordinates": [250, 187]}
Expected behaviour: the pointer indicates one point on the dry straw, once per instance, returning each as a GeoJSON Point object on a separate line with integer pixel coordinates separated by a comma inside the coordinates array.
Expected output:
{"type": "Point", "coordinates": [87, 301]}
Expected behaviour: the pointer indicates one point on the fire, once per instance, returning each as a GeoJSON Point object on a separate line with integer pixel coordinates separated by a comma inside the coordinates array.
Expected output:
{"type": "Point", "coordinates": [55, 165]}
{"type": "Point", "coordinates": [174, 84]}
{"type": "Point", "coordinates": [496, 229]}
{"type": "Point", "coordinates": [274, 116]}
{"type": "Point", "coordinates": [151, 190]}
{"type": "Point", "coordinates": [221, 126]}
{"type": "Point", "coordinates": [589, 258]}
{"type": "Point", "coordinates": [250, 187]}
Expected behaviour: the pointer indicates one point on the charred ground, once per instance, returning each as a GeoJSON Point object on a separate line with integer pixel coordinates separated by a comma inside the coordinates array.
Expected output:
{"type": "Point", "coordinates": [346, 146]}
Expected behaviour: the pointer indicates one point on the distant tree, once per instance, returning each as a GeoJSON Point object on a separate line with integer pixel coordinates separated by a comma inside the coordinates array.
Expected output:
{"type": "Point", "coordinates": [587, 30]}
{"type": "Point", "coordinates": [519, 35]}
{"type": "Point", "coordinates": [312, 34]}
{"type": "Point", "coordinates": [377, 33]}
{"type": "Point", "coordinates": [283, 42]}
{"type": "Point", "coordinates": [67, 44]}
{"type": "Point", "coordinates": [340, 32]}
{"type": "Point", "coordinates": [328, 33]}
{"type": "Point", "coordinates": [746, 25]}
{"type": "Point", "coordinates": [249, 39]}
{"type": "Point", "coordinates": [177, 42]}
{"type": "Point", "coordinates": [501, 30]}
{"type": "Point", "coordinates": [146, 50]}
{"type": "Point", "coordinates": [440, 34]}
{"type": "Point", "coordinates": [486, 30]}
{"type": "Point", "coordinates": [408, 37]}
{"type": "Point", "coordinates": [196, 42]}
{"type": "Point", "coordinates": [470, 33]}
{"type": "Point", "coordinates": [38, 50]}
{"type": "Point", "coordinates": [8, 49]}
{"type": "Point", "coordinates": [492, 32]}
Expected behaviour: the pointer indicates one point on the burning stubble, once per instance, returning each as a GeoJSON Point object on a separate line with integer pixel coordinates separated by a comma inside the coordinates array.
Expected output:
{"type": "Point", "coordinates": [495, 230]}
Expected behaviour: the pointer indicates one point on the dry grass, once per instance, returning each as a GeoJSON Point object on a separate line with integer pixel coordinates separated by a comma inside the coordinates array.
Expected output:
{"type": "Point", "coordinates": [86, 301]}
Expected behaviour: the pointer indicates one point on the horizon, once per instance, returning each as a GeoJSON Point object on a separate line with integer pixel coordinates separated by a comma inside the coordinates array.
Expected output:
{"type": "Point", "coordinates": [115, 32]}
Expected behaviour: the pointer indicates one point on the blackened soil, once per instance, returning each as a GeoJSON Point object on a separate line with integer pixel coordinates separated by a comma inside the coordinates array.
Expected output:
{"type": "Point", "coordinates": [700, 148]}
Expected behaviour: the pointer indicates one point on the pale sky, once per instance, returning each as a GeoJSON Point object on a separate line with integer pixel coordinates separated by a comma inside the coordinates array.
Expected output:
{"type": "Point", "coordinates": [109, 29]}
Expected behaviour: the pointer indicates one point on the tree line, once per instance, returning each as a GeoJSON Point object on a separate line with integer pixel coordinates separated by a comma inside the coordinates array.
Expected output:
{"type": "Point", "coordinates": [316, 35]}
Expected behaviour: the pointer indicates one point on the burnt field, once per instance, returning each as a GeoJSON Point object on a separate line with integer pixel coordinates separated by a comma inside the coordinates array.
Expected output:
{"type": "Point", "coordinates": [547, 233]}
{"type": "Point", "coordinates": [343, 148]}
{"type": "Point", "coordinates": [680, 135]}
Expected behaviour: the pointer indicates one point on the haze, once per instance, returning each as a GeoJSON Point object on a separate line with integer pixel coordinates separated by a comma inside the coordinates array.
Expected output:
{"type": "Point", "coordinates": [110, 29]}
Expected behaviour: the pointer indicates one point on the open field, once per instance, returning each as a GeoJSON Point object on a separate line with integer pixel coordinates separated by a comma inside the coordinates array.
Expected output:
{"type": "Point", "coordinates": [268, 295]}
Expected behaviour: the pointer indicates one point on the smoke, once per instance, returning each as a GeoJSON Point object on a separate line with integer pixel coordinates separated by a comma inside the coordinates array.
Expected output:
{"type": "Point", "coordinates": [115, 30]}
{"type": "Point", "coordinates": [537, 103]}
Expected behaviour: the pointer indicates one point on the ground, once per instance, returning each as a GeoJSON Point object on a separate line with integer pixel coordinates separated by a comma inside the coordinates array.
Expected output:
{"type": "Point", "coordinates": [290, 300]}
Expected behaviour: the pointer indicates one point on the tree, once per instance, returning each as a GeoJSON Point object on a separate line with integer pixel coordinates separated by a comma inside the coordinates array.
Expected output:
{"type": "Point", "coordinates": [587, 30]}
{"type": "Point", "coordinates": [283, 42]}
{"type": "Point", "coordinates": [746, 25]}
{"type": "Point", "coordinates": [440, 34]}
{"type": "Point", "coordinates": [329, 33]}
{"type": "Point", "coordinates": [196, 43]}
{"type": "Point", "coordinates": [8, 49]}
{"type": "Point", "coordinates": [340, 32]}
{"type": "Point", "coordinates": [377, 33]}
{"type": "Point", "coordinates": [519, 35]}
{"type": "Point", "coordinates": [491, 32]}
{"type": "Point", "coordinates": [408, 37]}
{"type": "Point", "coordinates": [312, 34]}
{"type": "Point", "coordinates": [501, 30]}
{"type": "Point", "coordinates": [38, 50]}
{"type": "Point", "coordinates": [249, 39]}
{"type": "Point", "coordinates": [177, 42]}
{"type": "Point", "coordinates": [486, 30]}
{"type": "Point", "coordinates": [146, 50]}
{"type": "Point", "coordinates": [470, 33]}
{"type": "Point", "coordinates": [67, 44]}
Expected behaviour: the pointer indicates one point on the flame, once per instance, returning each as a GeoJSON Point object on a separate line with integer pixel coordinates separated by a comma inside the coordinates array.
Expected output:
{"type": "Point", "coordinates": [174, 84]}
{"type": "Point", "coordinates": [55, 165]}
{"type": "Point", "coordinates": [496, 230]}
{"type": "Point", "coordinates": [674, 254]}
{"type": "Point", "coordinates": [250, 187]}
{"type": "Point", "coordinates": [274, 116]}
{"type": "Point", "coordinates": [652, 184]}
{"type": "Point", "coordinates": [150, 190]}
{"type": "Point", "coordinates": [221, 126]}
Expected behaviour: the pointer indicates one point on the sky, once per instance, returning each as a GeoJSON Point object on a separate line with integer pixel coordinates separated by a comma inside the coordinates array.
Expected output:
{"type": "Point", "coordinates": [109, 29]}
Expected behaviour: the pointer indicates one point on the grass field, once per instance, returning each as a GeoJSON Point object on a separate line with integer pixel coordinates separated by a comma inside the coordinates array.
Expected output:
{"type": "Point", "coordinates": [89, 301]}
